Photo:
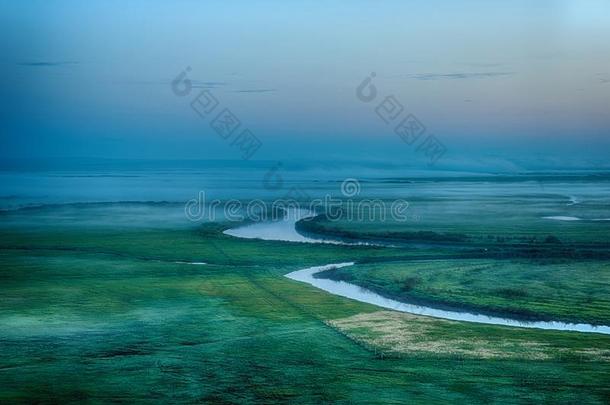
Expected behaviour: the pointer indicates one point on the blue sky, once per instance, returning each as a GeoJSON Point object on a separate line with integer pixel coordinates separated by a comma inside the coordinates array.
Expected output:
{"type": "Point", "coordinates": [506, 81]}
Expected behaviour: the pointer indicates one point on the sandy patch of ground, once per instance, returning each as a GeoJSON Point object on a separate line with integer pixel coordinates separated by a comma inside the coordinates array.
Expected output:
{"type": "Point", "coordinates": [396, 333]}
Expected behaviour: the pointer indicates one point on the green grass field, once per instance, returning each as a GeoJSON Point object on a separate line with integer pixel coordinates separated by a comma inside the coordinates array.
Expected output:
{"type": "Point", "coordinates": [475, 220]}
{"type": "Point", "coordinates": [527, 289]}
{"type": "Point", "coordinates": [101, 315]}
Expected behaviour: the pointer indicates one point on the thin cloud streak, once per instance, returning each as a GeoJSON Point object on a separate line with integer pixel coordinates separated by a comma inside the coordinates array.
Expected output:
{"type": "Point", "coordinates": [254, 91]}
{"type": "Point", "coordinates": [47, 64]}
{"type": "Point", "coordinates": [454, 76]}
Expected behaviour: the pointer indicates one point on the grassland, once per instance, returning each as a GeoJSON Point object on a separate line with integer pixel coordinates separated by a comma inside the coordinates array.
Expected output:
{"type": "Point", "coordinates": [508, 258]}
{"type": "Point", "coordinates": [484, 221]}
{"type": "Point", "coordinates": [529, 289]}
{"type": "Point", "coordinates": [92, 314]}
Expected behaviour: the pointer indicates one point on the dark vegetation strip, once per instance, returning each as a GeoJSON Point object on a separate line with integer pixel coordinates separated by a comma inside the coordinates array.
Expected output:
{"type": "Point", "coordinates": [551, 247]}
{"type": "Point", "coordinates": [315, 227]}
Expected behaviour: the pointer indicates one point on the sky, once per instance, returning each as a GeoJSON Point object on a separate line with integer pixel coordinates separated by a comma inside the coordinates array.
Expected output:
{"type": "Point", "coordinates": [508, 84]}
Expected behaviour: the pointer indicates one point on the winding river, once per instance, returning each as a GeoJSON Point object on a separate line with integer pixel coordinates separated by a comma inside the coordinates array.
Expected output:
{"type": "Point", "coordinates": [284, 230]}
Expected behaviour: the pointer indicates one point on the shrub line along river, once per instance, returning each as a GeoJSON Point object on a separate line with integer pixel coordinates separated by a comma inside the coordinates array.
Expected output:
{"type": "Point", "coordinates": [284, 230]}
